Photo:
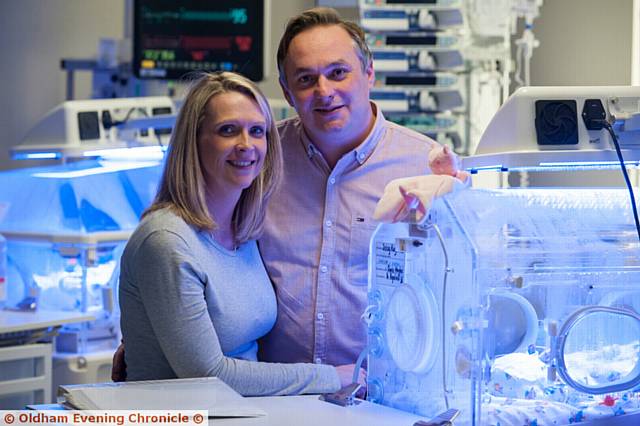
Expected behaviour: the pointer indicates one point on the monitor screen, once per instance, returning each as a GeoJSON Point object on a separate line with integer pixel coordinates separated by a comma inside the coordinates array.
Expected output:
{"type": "Point", "coordinates": [172, 38]}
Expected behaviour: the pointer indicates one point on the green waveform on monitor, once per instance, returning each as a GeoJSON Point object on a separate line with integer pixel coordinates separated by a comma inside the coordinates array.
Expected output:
{"type": "Point", "coordinates": [234, 15]}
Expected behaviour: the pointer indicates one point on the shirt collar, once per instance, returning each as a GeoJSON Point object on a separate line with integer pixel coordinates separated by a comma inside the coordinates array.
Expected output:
{"type": "Point", "coordinates": [362, 151]}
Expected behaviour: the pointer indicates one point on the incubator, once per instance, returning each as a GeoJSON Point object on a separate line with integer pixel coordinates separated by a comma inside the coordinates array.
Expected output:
{"type": "Point", "coordinates": [65, 228]}
{"type": "Point", "coordinates": [508, 304]}
{"type": "Point", "coordinates": [517, 306]}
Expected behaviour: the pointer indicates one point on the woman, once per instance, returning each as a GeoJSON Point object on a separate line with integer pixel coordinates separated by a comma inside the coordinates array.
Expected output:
{"type": "Point", "coordinates": [194, 294]}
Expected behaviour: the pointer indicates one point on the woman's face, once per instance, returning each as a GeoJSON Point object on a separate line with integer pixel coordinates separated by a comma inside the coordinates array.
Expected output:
{"type": "Point", "coordinates": [232, 142]}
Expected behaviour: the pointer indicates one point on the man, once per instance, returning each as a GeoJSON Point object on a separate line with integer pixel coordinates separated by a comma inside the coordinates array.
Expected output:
{"type": "Point", "coordinates": [338, 156]}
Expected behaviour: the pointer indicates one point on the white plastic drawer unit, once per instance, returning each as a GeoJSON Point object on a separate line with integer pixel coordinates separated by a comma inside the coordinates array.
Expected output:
{"type": "Point", "coordinates": [25, 375]}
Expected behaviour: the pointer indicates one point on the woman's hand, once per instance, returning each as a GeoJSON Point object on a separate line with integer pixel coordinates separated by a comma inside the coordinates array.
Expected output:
{"type": "Point", "coordinates": [345, 372]}
{"type": "Point", "coordinates": [119, 366]}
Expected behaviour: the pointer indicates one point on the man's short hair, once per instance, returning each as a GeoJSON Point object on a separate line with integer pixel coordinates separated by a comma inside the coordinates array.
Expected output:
{"type": "Point", "coordinates": [321, 16]}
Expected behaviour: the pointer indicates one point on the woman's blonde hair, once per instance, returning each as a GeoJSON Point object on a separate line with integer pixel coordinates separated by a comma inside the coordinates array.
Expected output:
{"type": "Point", "coordinates": [182, 187]}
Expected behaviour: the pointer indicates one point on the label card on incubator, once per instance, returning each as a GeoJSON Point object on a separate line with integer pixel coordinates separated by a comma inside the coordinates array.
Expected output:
{"type": "Point", "coordinates": [389, 263]}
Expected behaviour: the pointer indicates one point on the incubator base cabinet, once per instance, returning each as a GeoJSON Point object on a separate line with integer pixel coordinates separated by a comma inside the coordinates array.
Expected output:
{"type": "Point", "coordinates": [516, 306]}
{"type": "Point", "coordinates": [90, 367]}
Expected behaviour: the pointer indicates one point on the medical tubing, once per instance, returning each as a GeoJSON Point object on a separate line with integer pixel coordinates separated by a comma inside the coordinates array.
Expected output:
{"type": "Point", "coordinates": [519, 58]}
{"type": "Point", "coordinates": [444, 297]}
{"type": "Point", "coordinates": [607, 126]}
{"type": "Point", "coordinates": [356, 369]}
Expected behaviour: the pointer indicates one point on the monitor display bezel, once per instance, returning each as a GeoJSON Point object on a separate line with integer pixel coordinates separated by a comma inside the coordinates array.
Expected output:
{"type": "Point", "coordinates": [257, 74]}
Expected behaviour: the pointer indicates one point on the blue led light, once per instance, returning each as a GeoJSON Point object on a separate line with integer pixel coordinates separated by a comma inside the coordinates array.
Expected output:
{"type": "Point", "coordinates": [494, 167]}
{"type": "Point", "coordinates": [557, 166]}
{"type": "Point", "coordinates": [36, 155]}
{"type": "Point", "coordinates": [134, 153]}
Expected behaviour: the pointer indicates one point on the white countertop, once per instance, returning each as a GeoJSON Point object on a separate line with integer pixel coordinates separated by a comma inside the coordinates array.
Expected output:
{"type": "Point", "coordinates": [308, 410]}
{"type": "Point", "coordinates": [13, 321]}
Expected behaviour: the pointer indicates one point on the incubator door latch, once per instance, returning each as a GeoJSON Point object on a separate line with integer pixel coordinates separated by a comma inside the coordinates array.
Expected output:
{"type": "Point", "coordinates": [442, 419]}
{"type": "Point", "coordinates": [344, 397]}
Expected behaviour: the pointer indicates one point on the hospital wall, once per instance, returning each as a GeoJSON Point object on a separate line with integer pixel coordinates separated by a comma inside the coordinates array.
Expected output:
{"type": "Point", "coordinates": [575, 35]}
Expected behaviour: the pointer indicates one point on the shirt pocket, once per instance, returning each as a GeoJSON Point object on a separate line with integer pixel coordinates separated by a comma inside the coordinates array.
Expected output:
{"type": "Point", "coordinates": [357, 266]}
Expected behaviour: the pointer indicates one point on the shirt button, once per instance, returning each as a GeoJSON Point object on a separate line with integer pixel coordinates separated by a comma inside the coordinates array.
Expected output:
{"type": "Point", "coordinates": [328, 223]}
{"type": "Point", "coordinates": [318, 361]}
{"type": "Point", "coordinates": [320, 316]}
{"type": "Point", "coordinates": [332, 181]}
{"type": "Point", "coordinates": [360, 157]}
{"type": "Point", "coordinates": [323, 268]}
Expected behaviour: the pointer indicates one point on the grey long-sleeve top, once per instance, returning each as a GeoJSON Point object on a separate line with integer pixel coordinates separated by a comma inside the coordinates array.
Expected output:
{"type": "Point", "coordinates": [191, 308]}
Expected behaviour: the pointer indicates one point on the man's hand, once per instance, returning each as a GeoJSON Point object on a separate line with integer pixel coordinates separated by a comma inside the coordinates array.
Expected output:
{"type": "Point", "coordinates": [119, 367]}
{"type": "Point", "coordinates": [413, 193]}
{"type": "Point", "coordinates": [345, 372]}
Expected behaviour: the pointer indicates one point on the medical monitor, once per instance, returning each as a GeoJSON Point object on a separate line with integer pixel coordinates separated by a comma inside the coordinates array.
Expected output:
{"type": "Point", "coordinates": [173, 38]}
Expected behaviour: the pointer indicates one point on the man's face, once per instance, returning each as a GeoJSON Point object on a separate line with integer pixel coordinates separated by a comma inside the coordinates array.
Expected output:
{"type": "Point", "coordinates": [326, 85]}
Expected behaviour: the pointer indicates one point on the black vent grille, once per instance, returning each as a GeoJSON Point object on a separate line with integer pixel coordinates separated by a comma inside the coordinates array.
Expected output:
{"type": "Point", "coordinates": [556, 122]}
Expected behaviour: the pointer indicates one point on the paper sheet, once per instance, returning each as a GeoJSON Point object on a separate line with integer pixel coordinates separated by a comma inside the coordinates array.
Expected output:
{"type": "Point", "coordinates": [208, 393]}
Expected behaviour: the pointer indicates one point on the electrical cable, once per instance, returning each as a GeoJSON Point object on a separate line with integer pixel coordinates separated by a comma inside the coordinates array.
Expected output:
{"type": "Point", "coordinates": [607, 126]}
{"type": "Point", "coordinates": [108, 125]}
{"type": "Point", "coordinates": [128, 116]}
{"type": "Point", "coordinates": [160, 144]}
